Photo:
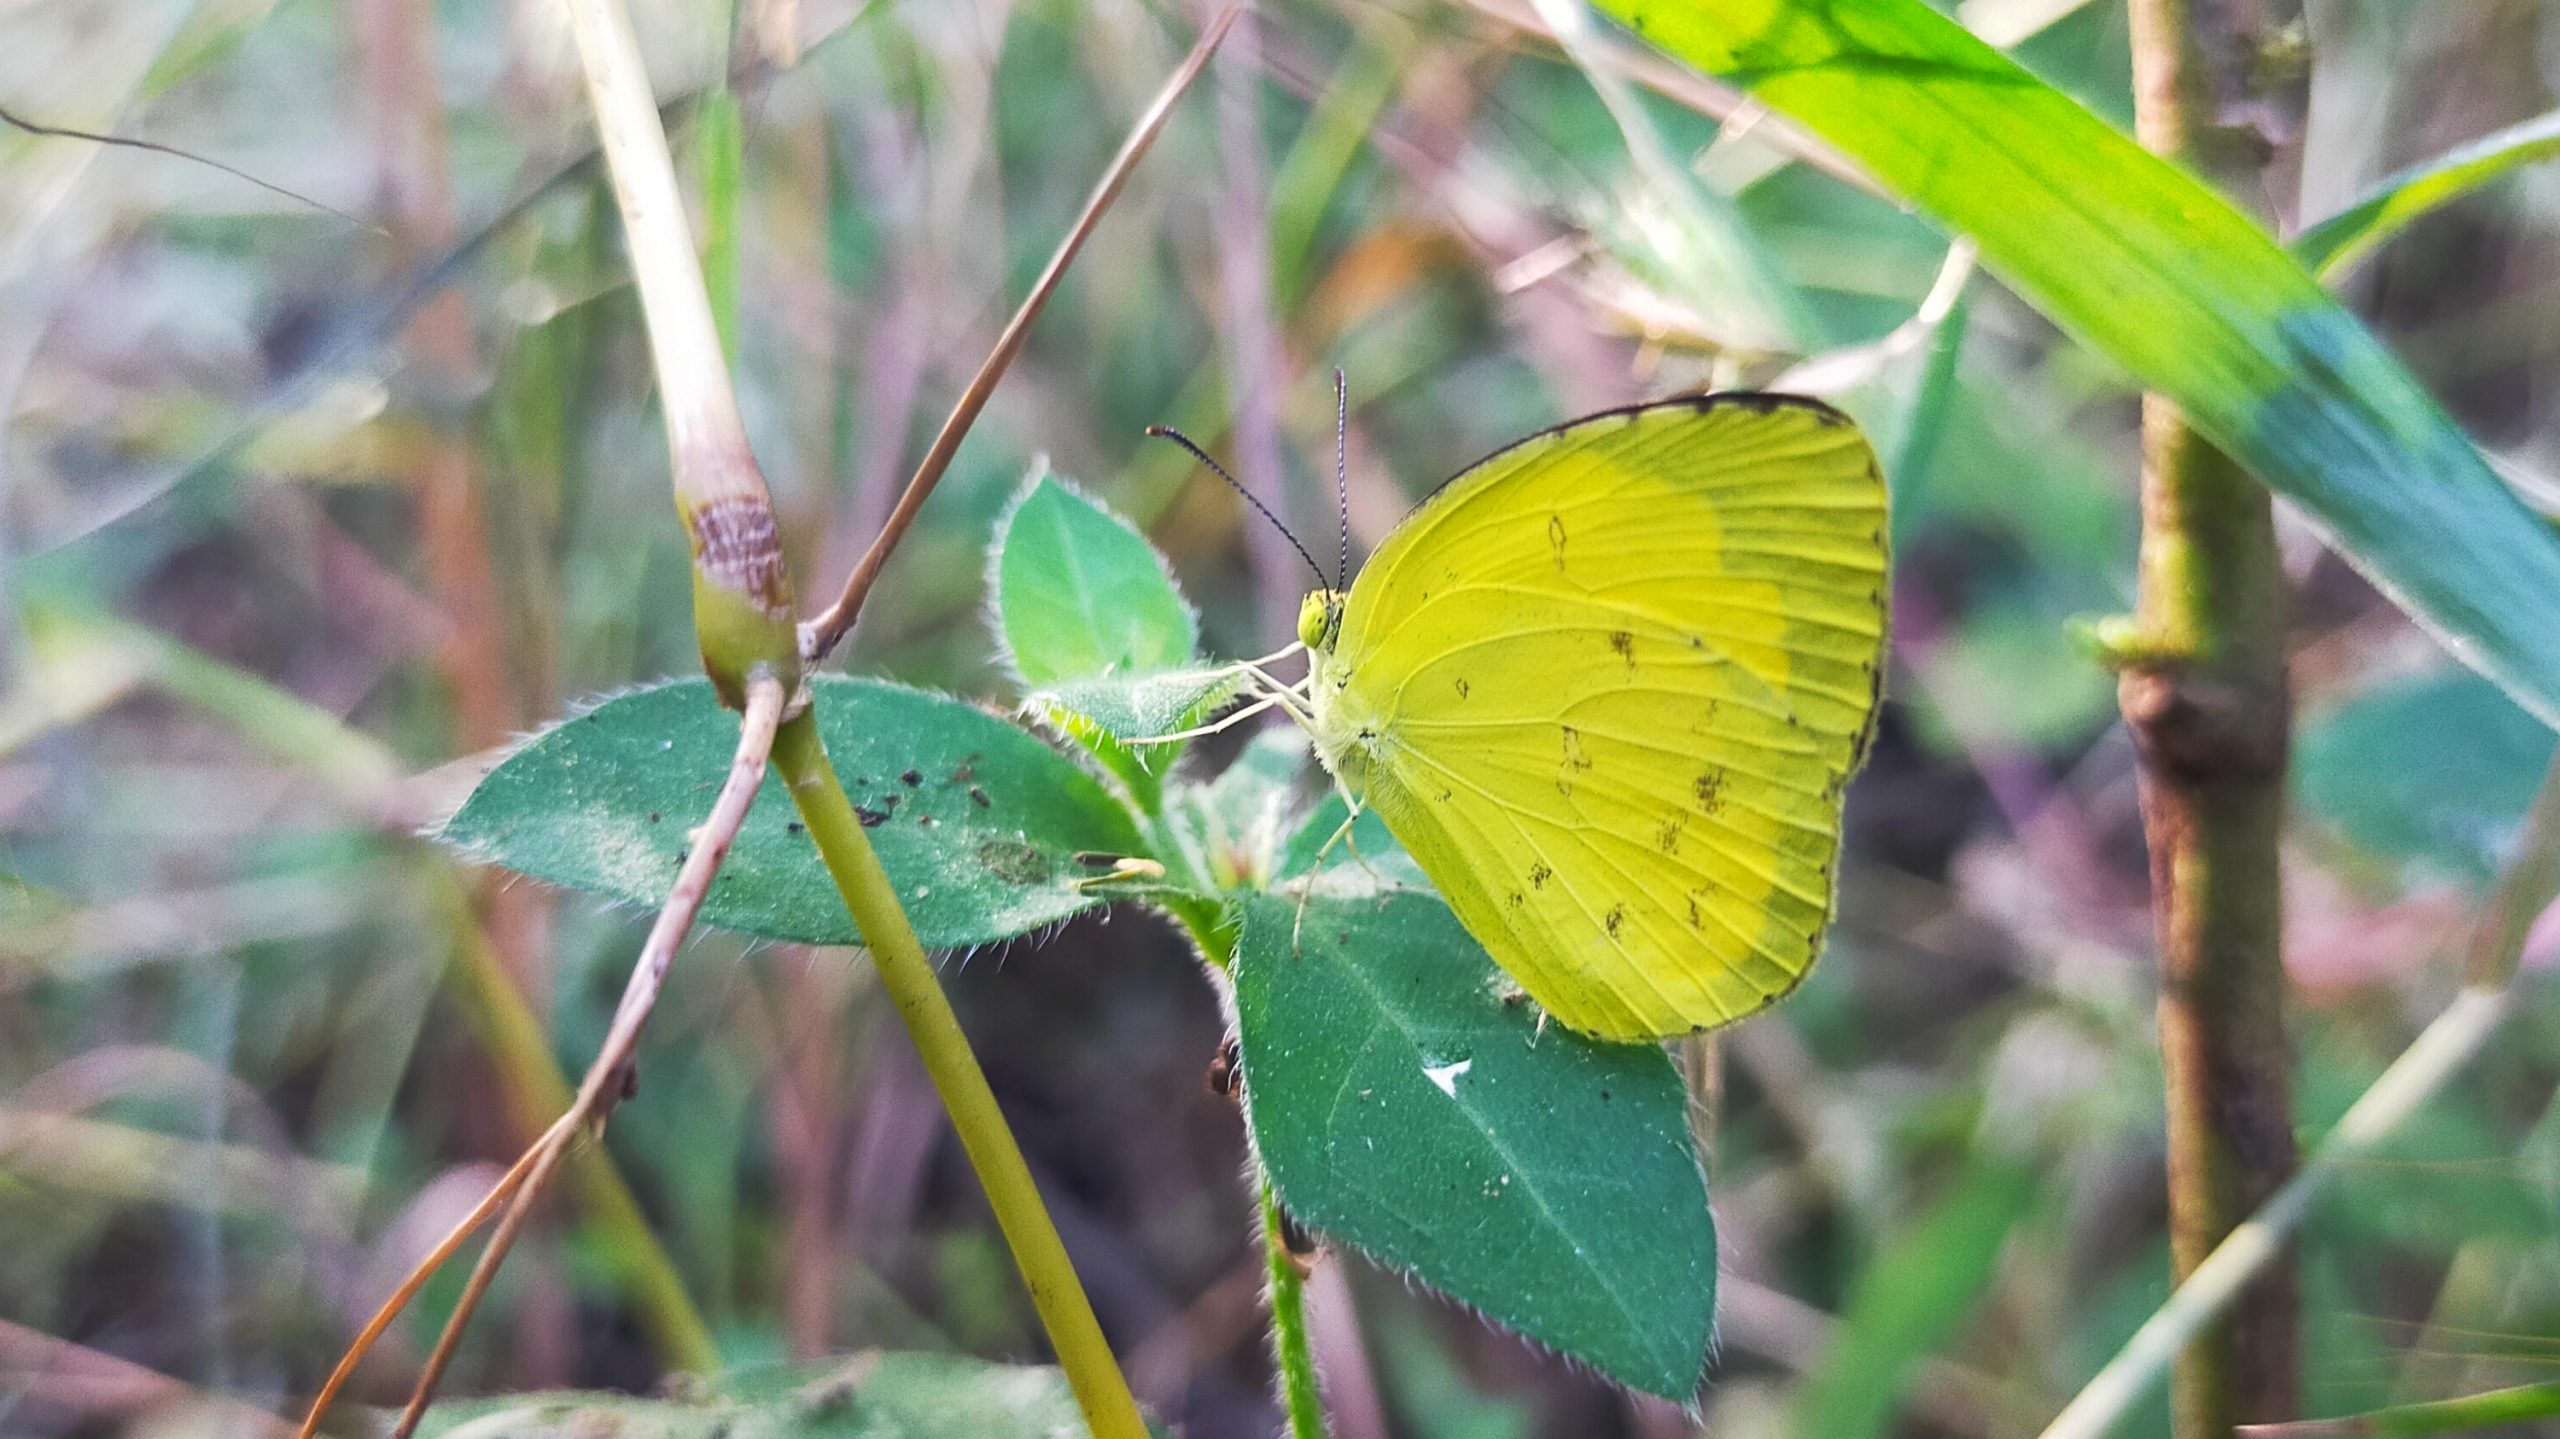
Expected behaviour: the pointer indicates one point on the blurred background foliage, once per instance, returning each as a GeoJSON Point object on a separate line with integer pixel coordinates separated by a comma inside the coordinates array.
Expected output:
{"type": "Point", "coordinates": [301, 517]}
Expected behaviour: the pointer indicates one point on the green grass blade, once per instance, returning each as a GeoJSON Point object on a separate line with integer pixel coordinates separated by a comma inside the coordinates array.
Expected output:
{"type": "Point", "coordinates": [2394, 203]}
{"type": "Point", "coordinates": [2438, 1416]}
{"type": "Point", "coordinates": [2150, 268]}
{"type": "Point", "coordinates": [720, 140]}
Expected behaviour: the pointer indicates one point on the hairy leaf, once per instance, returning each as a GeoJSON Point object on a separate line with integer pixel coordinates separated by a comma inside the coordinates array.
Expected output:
{"type": "Point", "coordinates": [1138, 706]}
{"type": "Point", "coordinates": [978, 823]}
{"type": "Point", "coordinates": [1079, 593]}
{"type": "Point", "coordinates": [1403, 1104]}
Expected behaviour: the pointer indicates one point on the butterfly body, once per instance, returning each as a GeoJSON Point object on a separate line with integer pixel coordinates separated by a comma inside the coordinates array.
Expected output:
{"type": "Point", "coordinates": [1608, 686]}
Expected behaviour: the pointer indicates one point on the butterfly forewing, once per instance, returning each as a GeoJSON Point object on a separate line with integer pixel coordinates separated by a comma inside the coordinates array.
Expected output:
{"type": "Point", "coordinates": [1616, 678]}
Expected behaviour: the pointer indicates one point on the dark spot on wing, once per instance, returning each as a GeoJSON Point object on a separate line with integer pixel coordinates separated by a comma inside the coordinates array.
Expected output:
{"type": "Point", "coordinates": [1555, 538]}
{"type": "Point", "coordinates": [1616, 917]}
{"type": "Point", "coordinates": [1539, 874]}
{"type": "Point", "coordinates": [1463, 686]}
{"type": "Point", "coordinates": [1518, 899]}
{"type": "Point", "coordinates": [1625, 644]}
{"type": "Point", "coordinates": [1709, 788]}
{"type": "Point", "coordinates": [1575, 761]}
{"type": "Point", "coordinates": [1667, 838]}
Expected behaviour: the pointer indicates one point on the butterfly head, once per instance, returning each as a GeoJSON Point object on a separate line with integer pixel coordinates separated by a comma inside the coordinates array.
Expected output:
{"type": "Point", "coordinates": [1320, 620]}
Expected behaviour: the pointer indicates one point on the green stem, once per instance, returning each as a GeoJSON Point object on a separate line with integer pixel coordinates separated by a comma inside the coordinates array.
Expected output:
{"type": "Point", "coordinates": [2205, 698]}
{"type": "Point", "coordinates": [800, 756]}
{"type": "Point", "coordinates": [1289, 1349]}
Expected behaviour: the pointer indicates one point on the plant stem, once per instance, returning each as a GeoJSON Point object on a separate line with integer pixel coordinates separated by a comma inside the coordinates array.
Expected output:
{"type": "Point", "coordinates": [820, 636]}
{"type": "Point", "coordinates": [1290, 1352]}
{"type": "Point", "coordinates": [2203, 691]}
{"type": "Point", "coordinates": [537, 1087]}
{"type": "Point", "coordinates": [800, 756]}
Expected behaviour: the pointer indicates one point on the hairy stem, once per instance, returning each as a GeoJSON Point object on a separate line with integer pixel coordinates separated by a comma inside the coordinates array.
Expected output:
{"type": "Point", "coordinates": [2205, 697]}
{"type": "Point", "coordinates": [1290, 1352]}
{"type": "Point", "coordinates": [906, 974]}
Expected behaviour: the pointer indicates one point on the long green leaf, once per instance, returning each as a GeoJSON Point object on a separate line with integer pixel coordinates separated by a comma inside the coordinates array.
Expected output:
{"type": "Point", "coordinates": [2149, 267]}
{"type": "Point", "coordinates": [2398, 200]}
{"type": "Point", "coordinates": [2495, 1409]}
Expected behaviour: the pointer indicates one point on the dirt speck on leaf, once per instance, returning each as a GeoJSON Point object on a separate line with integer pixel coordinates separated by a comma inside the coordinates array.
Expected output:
{"type": "Point", "coordinates": [1016, 864]}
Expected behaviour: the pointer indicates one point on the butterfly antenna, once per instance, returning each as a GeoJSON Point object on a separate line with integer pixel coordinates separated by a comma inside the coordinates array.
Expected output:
{"type": "Point", "coordinates": [1167, 432]}
{"type": "Point", "coordinates": [1342, 474]}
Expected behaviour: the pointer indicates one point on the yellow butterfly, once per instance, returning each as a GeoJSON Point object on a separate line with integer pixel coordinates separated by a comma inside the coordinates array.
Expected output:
{"type": "Point", "coordinates": [1607, 688]}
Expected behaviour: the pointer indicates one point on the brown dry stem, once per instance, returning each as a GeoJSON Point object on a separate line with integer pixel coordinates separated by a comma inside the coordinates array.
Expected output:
{"type": "Point", "coordinates": [820, 636]}
{"type": "Point", "coordinates": [607, 1079]}
{"type": "Point", "coordinates": [2204, 693]}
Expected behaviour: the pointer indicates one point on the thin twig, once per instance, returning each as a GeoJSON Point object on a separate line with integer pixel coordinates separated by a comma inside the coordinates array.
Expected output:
{"type": "Point", "coordinates": [820, 636]}
{"type": "Point", "coordinates": [418, 1276]}
{"type": "Point", "coordinates": [609, 1079]}
{"type": "Point", "coordinates": [127, 142]}
{"type": "Point", "coordinates": [606, 1079]}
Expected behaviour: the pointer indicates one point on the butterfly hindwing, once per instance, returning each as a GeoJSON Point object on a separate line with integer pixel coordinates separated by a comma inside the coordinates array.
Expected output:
{"type": "Point", "coordinates": [1617, 678]}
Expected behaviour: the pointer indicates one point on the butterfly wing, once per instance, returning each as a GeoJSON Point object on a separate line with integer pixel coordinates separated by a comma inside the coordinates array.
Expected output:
{"type": "Point", "coordinates": [1614, 681]}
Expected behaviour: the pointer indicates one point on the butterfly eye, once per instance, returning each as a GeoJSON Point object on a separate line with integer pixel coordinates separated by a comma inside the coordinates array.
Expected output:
{"type": "Point", "coordinates": [1319, 618]}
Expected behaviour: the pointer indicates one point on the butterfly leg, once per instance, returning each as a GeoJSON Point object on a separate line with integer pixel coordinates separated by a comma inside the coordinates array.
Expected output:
{"type": "Point", "coordinates": [1342, 835]}
{"type": "Point", "coordinates": [1212, 727]}
{"type": "Point", "coordinates": [1291, 698]}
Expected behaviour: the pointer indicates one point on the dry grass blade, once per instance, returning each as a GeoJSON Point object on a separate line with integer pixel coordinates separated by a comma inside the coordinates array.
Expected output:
{"type": "Point", "coordinates": [820, 636]}
{"type": "Point", "coordinates": [418, 1276]}
{"type": "Point", "coordinates": [607, 1079]}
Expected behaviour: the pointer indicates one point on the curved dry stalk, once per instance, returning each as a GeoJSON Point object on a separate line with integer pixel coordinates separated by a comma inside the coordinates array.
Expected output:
{"type": "Point", "coordinates": [820, 636]}
{"type": "Point", "coordinates": [608, 1078]}
{"type": "Point", "coordinates": [418, 1276]}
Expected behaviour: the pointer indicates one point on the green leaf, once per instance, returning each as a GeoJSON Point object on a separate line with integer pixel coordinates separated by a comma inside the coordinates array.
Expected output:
{"type": "Point", "coordinates": [870, 1396]}
{"type": "Point", "coordinates": [1402, 1105]}
{"type": "Point", "coordinates": [1137, 706]}
{"type": "Point", "coordinates": [1234, 827]}
{"type": "Point", "coordinates": [1914, 1296]}
{"type": "Point", "coordinates": [978, 823]}
{"type": "Point", "coordinates": [1079, 593]}
{"type": "Point", "coordinates": [2495, 1409]}
{"type": "Point", "coordinates": [2399, 200]}
{"type": "Point", "coordinates": [2146, 266]}
{"type": "Point", "coordinates": [2436, 771]}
